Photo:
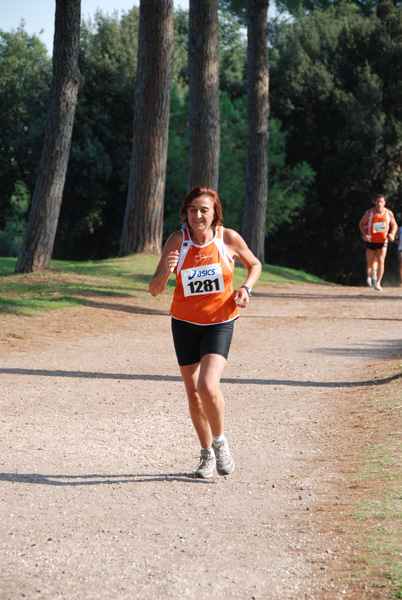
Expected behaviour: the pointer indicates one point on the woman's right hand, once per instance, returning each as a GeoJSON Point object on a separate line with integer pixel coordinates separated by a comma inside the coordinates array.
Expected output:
{"type": "Point", "coordinates": [171, 260]}
{"type": "Point", "coordinates": [166, 265]}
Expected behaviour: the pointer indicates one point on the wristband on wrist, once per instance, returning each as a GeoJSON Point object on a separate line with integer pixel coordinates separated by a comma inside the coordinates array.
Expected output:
{"type": "Point", "coordinates": [248, 290]}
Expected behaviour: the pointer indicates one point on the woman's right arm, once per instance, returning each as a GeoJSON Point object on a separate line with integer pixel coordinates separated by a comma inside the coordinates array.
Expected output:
{"type": "Point", "coordinates": [167, 264]}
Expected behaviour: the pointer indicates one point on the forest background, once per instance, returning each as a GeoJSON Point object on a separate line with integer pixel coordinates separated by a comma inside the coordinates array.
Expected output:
{"type": "Point", "coordinates": [335, 132]}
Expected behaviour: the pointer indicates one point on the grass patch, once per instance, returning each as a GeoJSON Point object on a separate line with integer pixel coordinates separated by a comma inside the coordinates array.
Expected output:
{"type": "Point", "coordinates": [379, 519]}
{"type": "Point", "coordinates": [273, 274]}
{"type": "Point", "coordinates": [69, 283]}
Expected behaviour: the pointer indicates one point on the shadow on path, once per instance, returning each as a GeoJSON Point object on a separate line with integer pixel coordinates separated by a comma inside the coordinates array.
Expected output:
{"type": "Point", "coordinates": [96, 479]}
{"type": "Point", "coordinates": [239, 380]}
{"type": "Point", "coordinates": [138, 310]}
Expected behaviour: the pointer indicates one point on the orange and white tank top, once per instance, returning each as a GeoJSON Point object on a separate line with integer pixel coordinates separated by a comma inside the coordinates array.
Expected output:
{"type": "Point", "coordinates": [204, 292]}
{"type": "Point", "coordinates": [378, 226]}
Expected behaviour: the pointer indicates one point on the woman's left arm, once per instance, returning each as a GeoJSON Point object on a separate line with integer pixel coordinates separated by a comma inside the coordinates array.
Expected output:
{"type": "Point", "coordinates": [238, 248]}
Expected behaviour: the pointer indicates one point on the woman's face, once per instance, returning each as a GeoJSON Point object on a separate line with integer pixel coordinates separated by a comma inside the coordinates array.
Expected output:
{"type": "Point", "coordinates": [200, 213]}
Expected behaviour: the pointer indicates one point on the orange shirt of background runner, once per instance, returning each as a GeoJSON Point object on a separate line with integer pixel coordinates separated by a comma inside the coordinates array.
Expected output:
{"type": "Point", "coordinates": [378, 226]}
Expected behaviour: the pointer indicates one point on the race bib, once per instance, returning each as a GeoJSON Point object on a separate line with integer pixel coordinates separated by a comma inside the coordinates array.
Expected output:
{"type": "Point", "coordinates": [207, 279]}
{"type": "Point", "coordinates": [378, 227]}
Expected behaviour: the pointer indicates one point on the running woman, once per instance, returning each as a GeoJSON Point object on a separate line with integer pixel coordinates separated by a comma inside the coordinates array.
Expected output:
{"type": "Point", "coordinates": [203, 311]}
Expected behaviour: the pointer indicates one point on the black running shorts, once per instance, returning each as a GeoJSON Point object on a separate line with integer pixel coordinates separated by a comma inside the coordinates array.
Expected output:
{"type": "Point", "coordinates": [192, 341]}
{"type": "Point", "coordinates": [375, 246]}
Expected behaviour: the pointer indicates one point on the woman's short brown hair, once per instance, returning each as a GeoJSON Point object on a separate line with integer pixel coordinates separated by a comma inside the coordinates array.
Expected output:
{"type": "Point", "coordinates": [197, 192]}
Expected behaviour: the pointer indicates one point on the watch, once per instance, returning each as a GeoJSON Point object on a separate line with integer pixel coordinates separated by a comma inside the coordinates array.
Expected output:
{"type": "Point", "coordinates": [248, 290]}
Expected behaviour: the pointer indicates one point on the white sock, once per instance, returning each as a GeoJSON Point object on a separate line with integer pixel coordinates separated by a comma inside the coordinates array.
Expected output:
{"type": "Point", "coordinates": [218, 438]}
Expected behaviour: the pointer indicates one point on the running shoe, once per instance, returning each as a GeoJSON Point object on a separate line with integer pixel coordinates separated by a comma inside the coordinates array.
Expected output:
{"type": "Point", "coordinates": [369, 282]}
{"type": "Point", "coordinates": [207, 465]}
{"type": "Point", "coordinates": [377, 287]}
{"type": "Point", "coordinates": [224, 462]}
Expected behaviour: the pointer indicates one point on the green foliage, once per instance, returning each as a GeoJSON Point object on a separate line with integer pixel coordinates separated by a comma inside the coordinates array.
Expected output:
{"type": "Point", "coordinates": [177, 161]}
{"type": "Point", "coordinates": [288, 186]}
{"type": "Point", "coordinates": [96, 185]}
{"type": "Point", "coordinates": [232, 168]}
{"type": "Point", "coordinates": [97, 179]}
{"type": "Point", "coordinates": [235, 7]}
{"type": "Point", "coordinates": [232, 57]}
{"type": "Point", "coordinates": [11, 237]}
{"type": "Point", "coordinates": [25, 75]}
{"type": "Point", "coordinates": [335, 80]}
{"type": "Point", "coordinates": [293, 7]}
{"type": "Point", "coordinates": [180, 65]}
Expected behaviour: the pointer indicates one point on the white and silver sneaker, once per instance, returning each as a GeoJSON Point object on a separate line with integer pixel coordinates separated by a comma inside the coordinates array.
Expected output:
{"type": "Point", "coordinates": [207, 466]}
{"type": "Point", "coordinates": [224, 462]}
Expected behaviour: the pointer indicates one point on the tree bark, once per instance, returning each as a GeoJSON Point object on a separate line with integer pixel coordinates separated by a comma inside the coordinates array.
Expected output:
{"type": "Point", "coordinates": [203, 76]}
{"type": "Point", "coordinates": [38, 243]}
{"type": "Point", "coordinates": [143, 220]}
{"type": "Point", "coordinates": [255, 206]}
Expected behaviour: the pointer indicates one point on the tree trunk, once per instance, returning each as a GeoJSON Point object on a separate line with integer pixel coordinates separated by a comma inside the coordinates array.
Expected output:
{"type": "Point", "coordinates": [203, 77]}
{"type": "Point", "coordinates": [255, 206]}
{"type": "Point", "coordinates": [143, 220]}
{"type": "Point", "coordinates": [38, 243]}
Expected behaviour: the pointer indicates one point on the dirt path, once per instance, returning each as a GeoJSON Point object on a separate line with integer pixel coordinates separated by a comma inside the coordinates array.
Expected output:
{"type": "Point", "coordinates": [97, 499]}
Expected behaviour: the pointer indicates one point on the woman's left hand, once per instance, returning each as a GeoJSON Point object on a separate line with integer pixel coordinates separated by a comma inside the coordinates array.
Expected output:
{"type": "Point", "coordinates": [242, 298]}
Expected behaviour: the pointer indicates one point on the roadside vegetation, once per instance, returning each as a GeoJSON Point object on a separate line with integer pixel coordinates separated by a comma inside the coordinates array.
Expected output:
{"type": "Point", "coordinates": [69, 283]}
{"type": "Point", "coordinates": [378, 520]}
